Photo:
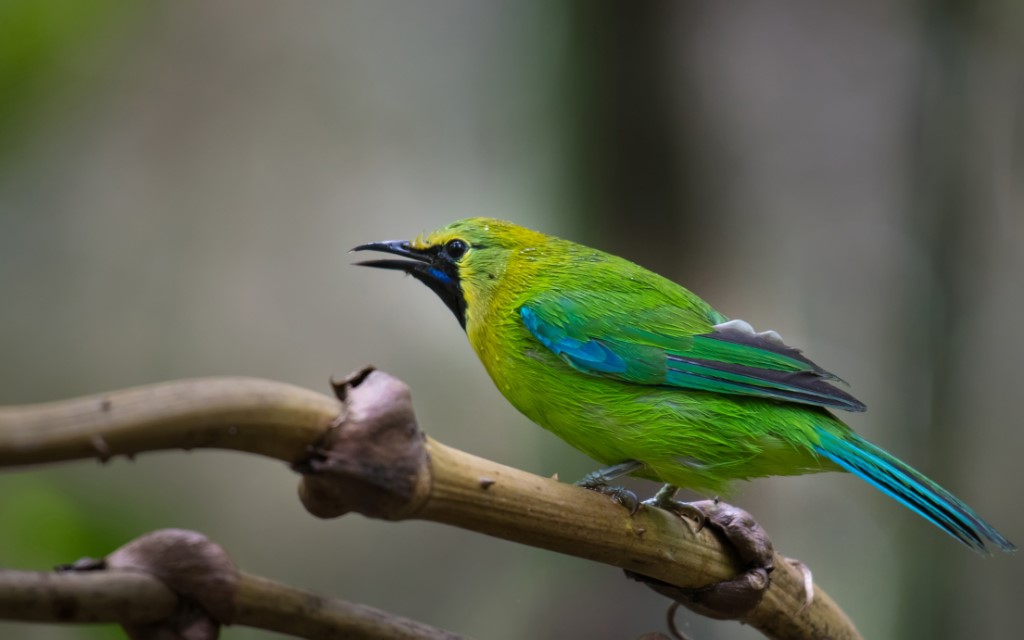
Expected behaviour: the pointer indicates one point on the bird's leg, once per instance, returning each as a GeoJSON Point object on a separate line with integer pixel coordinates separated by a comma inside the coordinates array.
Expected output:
{"type": "Point", "coordinates": [665, 499]}
{"type": "Point", "coordinates": [598, 481]}
{"type": "Point", "coordinates": [728, 599]}
{"type": "Point", "coordinates": [602, 477]}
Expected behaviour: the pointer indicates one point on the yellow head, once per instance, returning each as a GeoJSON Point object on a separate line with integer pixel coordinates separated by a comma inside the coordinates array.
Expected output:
{"type": "Point", "coordinates": [463, 263]}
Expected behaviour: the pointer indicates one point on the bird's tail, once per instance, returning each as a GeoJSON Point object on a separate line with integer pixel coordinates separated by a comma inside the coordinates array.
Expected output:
{"type": "Point", "coordinates": [911, 488]}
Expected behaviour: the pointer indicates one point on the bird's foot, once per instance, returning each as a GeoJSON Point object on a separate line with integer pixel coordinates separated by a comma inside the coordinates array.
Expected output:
{"type": "Point", "coordinates": [729, 599]}
{"type": "Point", "coordinates": [598, 481]}
{"type": "Point", "coordinates": [665, 499]}
{"type": "Point", "coordinates": [620, 495]}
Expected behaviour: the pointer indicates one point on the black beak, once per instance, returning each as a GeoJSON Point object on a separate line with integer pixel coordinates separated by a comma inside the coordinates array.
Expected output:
{"type": "Point", "coordinates": [429, 266]}
{"type": "Point", "coordinates": [418, 260]}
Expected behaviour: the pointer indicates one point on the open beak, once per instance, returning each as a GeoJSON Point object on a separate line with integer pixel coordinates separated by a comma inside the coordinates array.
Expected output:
{"type": "Point", "coordinates": [427, 266]}
{"type": "Point", "coordinates": [418, 260]}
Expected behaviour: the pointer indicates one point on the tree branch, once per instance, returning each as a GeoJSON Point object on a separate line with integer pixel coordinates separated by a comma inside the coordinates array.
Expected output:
{"type": "Point", "coordinates": [142, 600]}
{"type": "Point", "coordinates": [367, 454]}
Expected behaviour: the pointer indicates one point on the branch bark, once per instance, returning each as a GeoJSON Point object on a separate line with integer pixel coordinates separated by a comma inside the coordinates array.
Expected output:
{"type": "Point", "coordinates": [367, 454]}
{"type": "Point", "coordinates": [139, 600]}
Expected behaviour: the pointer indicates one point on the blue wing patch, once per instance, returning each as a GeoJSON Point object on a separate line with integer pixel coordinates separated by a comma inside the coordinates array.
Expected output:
{"type": "Point", "coordinates": [591, 356]}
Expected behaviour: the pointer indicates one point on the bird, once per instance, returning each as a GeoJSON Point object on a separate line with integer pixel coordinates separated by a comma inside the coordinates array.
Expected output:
{"type": "Point", "coordinates": [645, 377]}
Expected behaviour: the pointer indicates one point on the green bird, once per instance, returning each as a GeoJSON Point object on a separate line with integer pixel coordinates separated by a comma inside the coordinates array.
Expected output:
{"type": "Point", "coordinates": [641, 374]}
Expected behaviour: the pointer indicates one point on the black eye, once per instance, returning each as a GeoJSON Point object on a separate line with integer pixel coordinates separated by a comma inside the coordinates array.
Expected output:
{"type": "Point", "coordinates": [455, 248]}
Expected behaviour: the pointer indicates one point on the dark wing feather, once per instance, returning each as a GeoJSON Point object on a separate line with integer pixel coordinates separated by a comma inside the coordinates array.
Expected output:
{"type": "Point", "coordinates": [676, 346]}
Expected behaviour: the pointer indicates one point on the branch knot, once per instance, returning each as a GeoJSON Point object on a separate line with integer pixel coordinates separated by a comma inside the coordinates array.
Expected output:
{"type": "Point", "coordinates": [372, 460]}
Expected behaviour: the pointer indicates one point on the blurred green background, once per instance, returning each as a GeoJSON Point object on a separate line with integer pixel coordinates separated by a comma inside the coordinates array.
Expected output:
{"type": "Point", "coordinates": [180, 183]}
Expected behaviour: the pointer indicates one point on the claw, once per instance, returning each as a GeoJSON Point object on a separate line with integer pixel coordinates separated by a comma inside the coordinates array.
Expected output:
{"type": "Point", "coordinates": [682, 509]}
{"type": "Point", "coordinates": [626, 498]}
{"type": "Point", "coordinates": [620, 495]}
{"type": "Point", "coordinates": [665, 499]}
{"type": "Point", "coordinates": [598, 481]}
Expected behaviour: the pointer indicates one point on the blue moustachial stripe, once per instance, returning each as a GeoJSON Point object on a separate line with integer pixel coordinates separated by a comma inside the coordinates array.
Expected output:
{"type": "Point", "coordinates": [440, 275]}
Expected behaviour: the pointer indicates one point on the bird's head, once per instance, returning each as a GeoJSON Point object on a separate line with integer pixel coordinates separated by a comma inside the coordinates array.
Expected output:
{"type": "Point", "coordinates": [464, 263]}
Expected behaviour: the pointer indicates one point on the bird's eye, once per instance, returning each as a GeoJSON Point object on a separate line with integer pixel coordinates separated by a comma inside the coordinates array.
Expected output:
{"type": "Point", "coordinates": [456, 248]}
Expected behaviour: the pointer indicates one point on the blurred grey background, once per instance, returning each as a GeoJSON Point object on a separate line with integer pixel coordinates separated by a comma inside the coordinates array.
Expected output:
{"type": "Point", "coordinates": [180, 183]}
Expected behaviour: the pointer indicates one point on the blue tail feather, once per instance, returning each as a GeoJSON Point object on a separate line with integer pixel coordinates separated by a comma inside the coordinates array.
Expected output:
{"type": "Point", "coordinates": [911, 489]}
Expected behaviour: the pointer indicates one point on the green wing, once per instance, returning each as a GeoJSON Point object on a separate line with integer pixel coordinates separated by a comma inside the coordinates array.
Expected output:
{"type": "Point", "coordinates": [686, 345]}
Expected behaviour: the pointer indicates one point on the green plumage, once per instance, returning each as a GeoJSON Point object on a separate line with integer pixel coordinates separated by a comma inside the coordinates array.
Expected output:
{"type": "Point", "coordinates": [626, 365]}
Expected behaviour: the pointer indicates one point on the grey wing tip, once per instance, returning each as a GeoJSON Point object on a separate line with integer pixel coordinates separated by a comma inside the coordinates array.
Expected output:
{"type": "Point", "coordinates": [846, 402]}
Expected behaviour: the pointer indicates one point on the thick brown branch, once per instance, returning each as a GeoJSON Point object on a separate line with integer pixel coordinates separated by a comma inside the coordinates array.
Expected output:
{"type": "Point", "coordinates": [245, 414]}
{"type": "Point", "coordinates": [375, 460]}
